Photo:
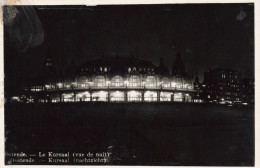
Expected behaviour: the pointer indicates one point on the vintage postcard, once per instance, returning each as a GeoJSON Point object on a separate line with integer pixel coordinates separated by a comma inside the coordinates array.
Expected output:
{"type": "Point", "coordinates": [170, 84]}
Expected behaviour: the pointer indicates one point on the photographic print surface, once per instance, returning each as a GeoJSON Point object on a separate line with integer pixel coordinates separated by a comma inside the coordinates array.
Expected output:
{"type": "Point", "coordinates": [165, 84]}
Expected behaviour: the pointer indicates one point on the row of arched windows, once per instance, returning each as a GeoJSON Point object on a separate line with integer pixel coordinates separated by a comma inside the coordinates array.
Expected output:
{"type": "Point", "coordinates": [118, 81]}
{"type": "Point", "coordinates": [136, 81]}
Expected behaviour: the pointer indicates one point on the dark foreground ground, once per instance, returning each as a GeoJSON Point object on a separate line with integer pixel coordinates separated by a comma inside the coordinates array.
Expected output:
{"type": "Point", "coordinates": [136, 134]}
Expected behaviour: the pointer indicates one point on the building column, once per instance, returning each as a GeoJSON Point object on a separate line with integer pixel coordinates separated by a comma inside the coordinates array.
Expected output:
{"type": "Point", "coordinates": [192, 98]}
{"type": "Point", "coordinates": [60, 97]}
{"type": "Point", "coordinates": [158, 96]}
{"type": "Point", "coordinates": [142, 95]}
{"type": "Point", "coordinates": [49, 98]}
{"type": "Point", "coordinates": [125, 96]}
{"type": "Point", "coordinates": [75, 96]}
{"type": "Point", "coordinates": [90, 93]}
{"type": "Point", "coordinates": [172, 97]}
{"type": "Point", "coordinates": [108, 96]}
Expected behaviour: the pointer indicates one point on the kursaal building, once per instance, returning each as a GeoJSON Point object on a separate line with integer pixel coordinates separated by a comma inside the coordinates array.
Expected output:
{"type": "Point", "coordinates": [114, 79]}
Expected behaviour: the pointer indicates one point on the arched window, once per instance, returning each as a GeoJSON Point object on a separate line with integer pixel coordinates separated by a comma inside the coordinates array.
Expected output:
{"type": "Point", "coordinates": [68, 97]}
{"type": "Point", "coordinates": [82, 81]}
{"type": "Point", "coordinates": [150, 81]}
{"type": "Point", "coordinates": [134, 81]}
{"type": "Point", "coordinates": [129, 69]}
{"type": "Point", "coordinates": [100, 81]}
{"type": "Point", "coordinates": [117, 81]}
{"type": "Point", "coordinates": [83, 96]}
{"type": "Point", "coordinates": [166, 83]}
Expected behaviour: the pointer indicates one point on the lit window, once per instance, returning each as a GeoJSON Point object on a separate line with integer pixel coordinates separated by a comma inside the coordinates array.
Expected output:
{"type": "Point", "coordinates": [100, 81]}
{"type": "Point", "coordinates": [99, 96]}
{"type": "Point", "coordinates": [166, 82]}
{"type": "Point", "coordinates": [117, 96]}
{"type": "Point", "coordinates": [134, 81]}
{"type": "Point", "coordinates": [134, 96]}
{"type": "Point", "coordinates": [129, 69]}
{"type": "Point", "coordinates": [117, 81]}
{"type": "Point", "coordinates": [100, 69]}
{"type": "Point", "coordinates": [150, 81]}
{"type": "Point", "coordinates": [165, 96]}
{"type": "Point", "coordinates": [150, 96]}
{"type": "Point", "coordinates": [105, 69]}
{"type": "Point", "coordinates": [134, 69]}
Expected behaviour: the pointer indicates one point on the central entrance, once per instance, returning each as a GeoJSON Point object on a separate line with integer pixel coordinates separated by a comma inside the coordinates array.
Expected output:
{"type": "Point", "coordinates": [117, 96]}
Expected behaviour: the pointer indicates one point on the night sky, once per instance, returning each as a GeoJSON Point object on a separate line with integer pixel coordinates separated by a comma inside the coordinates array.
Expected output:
{"type": "Point", "coordinates": [207, 35]}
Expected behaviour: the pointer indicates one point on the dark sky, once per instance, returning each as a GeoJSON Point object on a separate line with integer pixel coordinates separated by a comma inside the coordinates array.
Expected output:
{"type": "Point", "coordinates": [207, 35]}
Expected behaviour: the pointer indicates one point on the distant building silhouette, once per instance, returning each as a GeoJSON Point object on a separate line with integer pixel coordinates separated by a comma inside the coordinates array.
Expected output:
{"type": "Point", "coordinates": [222, 85]}
{"type": "Point", "coordinates": [247, 91]}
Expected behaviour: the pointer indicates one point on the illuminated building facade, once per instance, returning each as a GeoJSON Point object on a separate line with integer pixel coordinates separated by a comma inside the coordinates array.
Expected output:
{"type": "Point", "coordinates": [115, 79]}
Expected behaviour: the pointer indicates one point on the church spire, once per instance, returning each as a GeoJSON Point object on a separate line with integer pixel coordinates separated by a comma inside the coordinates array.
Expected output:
{"type": "Point", "coordinates": [178, 66]}
{"type": "Point", "coordinates": [162, 69]}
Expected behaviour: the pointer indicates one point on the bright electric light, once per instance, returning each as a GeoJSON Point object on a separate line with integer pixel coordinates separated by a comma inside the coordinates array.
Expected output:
{"type": "Point", "coordinates": [173, 84]}
{"type": "Point", "coordinates": [59, 84]}
{"type": "Point", "coordinates": [47, 86]}
{"type": "Point", "coordinates": [134, 94]}
{"type": "Point", "coordinates": [67, 95]}
{"type": "Point", "coordinates": [79, 95]}
{"type": "Point", "coordinates": [100, 94]}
